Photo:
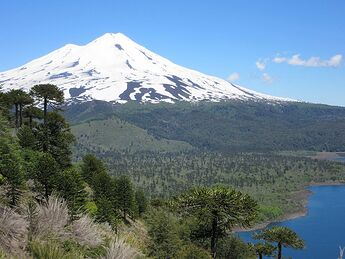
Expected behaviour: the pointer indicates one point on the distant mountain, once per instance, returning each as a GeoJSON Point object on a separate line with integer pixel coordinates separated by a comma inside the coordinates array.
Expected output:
{"type": "Point", "coordinates": [114, 68]}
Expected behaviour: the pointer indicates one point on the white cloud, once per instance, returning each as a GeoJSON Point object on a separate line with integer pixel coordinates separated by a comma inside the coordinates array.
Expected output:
{"type": "Point", "coordinates": [279, 60]}
{"type": "Point", "coordinates": [260, 65]}
{"type": "Point", "coordinates": [335, 61]}
{"type": "Point", "coordinates": [267, 78]}
{"type": "Point", "coordinates": [296, 60]}
{"type": "Point", "coordinates": [233, 77]}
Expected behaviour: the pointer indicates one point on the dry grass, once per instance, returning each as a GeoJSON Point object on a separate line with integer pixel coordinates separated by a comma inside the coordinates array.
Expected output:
{"type": "Point", "coordinates": [13, 231]}
{"type": "Point", "coordinates": [86, 232]}
{"type": "Point", "coordinates": [52, 217]}
{"type": "Point", "coordinates": [134, 234]}
{"type": "Point", "coordinates": [118, 249]}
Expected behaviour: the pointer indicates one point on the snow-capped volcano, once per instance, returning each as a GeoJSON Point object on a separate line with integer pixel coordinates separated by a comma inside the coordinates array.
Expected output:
{"type": "Point", "coordinates": [115, 68]}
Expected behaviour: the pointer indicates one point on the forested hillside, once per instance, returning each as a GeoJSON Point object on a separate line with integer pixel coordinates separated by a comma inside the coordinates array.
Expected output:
{"type": "Point", "coordinates": [229, 126]}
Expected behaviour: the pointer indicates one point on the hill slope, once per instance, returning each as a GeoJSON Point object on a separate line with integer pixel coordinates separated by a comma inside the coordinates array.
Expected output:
{"type": "Point", "coordinates": [113, 134]}
{"type": "Point", "coordinates": [230, 126]}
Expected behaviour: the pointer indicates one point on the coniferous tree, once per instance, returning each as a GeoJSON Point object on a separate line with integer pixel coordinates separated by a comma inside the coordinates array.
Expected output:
{"type": "Point", "coordinates": [11, 169]}
{"type": "Point", "coordinates": [163, 231]}
{"type": "Point", "coordinates": [141, 201]}
{"type": "Point", "coordinates": [219, 209]}
{"type": "Point", "coordinates": [72, 188]}
{"type": "Point", "coordinates": [31, 112]}
{"type": "Point", "coordinates": [104, 194]}
{"type": "Point", "coordinates": [27, 138]}
{"type": "Point", "coordinates": [90, 167]}
{"type": "Point", "coordinates": [125, 196]}
{"type": "Point", "coordinates": [264, 249]}
{"type": "Point", "coordinates": [46, 174]}
{"type": "Point", "coordinates": [283, 237]}
{"type": "Point", "coordinates": [55, 138]}
{"type": "Point", "coordinates": [50, 94]}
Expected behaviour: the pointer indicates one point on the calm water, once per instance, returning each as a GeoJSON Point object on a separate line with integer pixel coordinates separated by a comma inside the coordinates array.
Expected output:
{"type": "Point", "coordinates": [323, 229]}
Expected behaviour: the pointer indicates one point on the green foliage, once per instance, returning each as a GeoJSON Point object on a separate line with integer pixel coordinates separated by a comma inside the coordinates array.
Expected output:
{"type": "Point", "coordinates": [72, 188]}
{"type": "Point", "coordinates": [49, 94]}
{"type": "Point", "coordinates": [283, 237]}
{"type": "Point", "coordinates": [48, 91]}
{"type": "Point", "coordinates": [104, 195]}
{"type": "Point", "coordinates": [232, 247]}
{"type": "Point", "coordinates": [19, 99]}
{"type": "Point", "coordinates": [46, 174]}
{"type": "Point", "coordinates": [27, 138]}
{"type": "Point", "coordinates": [50, 250]}
{"type": "Point", "coordinates": [125, 196]}
{"type": "Point", "coordinates": [55, 138]}
{"type": "Point", "coordinates": [276, 181]}
{"type": "Point", "coordinates": [267, 213]}
{"type": "Point", "coordinates": [11, 169]}
{"type": "Point", "coordinates": [163, 231]}
{"type": "Point", "coordinates": [141, 201]}
{"type": "Point", "coordinates": [218, 210]}
{"type": "Point", "coordinates": [264, 249]}
{"type": "Point", "coordinates": [242, 126]}
{"type": "Point", "coordinates": [90, 167]}
{"type": "Point", "coordinates": [91, 208]}
{"type": "Point", "coordinates": [192, 251]}
{"type": "Point", "coordinates": [114, 134]}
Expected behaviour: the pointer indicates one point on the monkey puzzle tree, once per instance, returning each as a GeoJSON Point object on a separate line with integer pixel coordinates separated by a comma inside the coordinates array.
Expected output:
{"type": "Point", "coordinates": [55, 138]}
{"type": "Point", "coordinates": [19, 99]}
{"type": "Point", "coordinates": [11, 169]}
{"type": "Point", "coordinates": [283, 236]}
{"type": "Point", "coordinates": [32, 112]}
{"type": "Point", "coordinates": [264, 249]}
{"type": "Point", "coordinates": [49, 94]}
{"type": "Point", "coordinates": [218, 209]}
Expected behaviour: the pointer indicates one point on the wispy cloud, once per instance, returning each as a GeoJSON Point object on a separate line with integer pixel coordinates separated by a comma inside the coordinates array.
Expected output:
{"type": "Point", "coordinates": [261, 65]}
{"type": "Point", "coordinates": [267, 78]}
{"type": "Point", "coordinates": [296, 60]}
{"type": "Point", "coordinates": [233, 77]}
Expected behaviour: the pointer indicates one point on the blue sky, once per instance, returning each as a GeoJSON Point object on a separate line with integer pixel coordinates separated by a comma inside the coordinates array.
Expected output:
{"type": "Point", "coordinates": [289, 48]}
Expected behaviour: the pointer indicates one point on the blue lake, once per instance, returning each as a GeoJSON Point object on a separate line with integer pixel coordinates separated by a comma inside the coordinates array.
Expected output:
{"type": "Point", "coordinates": [323, 229]}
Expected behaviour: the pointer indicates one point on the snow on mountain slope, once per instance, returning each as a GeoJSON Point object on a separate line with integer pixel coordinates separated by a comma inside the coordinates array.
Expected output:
{"type": "Point", "coordinates": [115, 68]}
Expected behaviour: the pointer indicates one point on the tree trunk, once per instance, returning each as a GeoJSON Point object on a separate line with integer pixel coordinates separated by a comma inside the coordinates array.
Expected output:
{"type": "Point", "coordinates": [279, 251]}
{"type": "Point", "coordinates": [214, 237]}
{"type": "Point", "coordinates": [20, 115]}
{"type": "Point", "coordinates": [45, 110]}
{"type": "Point", "coordinates": [30, 121]}
{"type": "Point", "coordinates": [16, 108]}
{"type": "Point", "coordinates": [260, 256]}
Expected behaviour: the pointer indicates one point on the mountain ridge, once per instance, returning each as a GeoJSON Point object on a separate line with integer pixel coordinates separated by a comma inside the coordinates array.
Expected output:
{"type": "Point", "coordinates": [114, 68]}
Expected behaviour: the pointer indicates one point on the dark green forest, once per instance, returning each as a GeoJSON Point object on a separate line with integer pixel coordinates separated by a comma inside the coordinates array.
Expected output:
{"type": "Point", "coordinates": [231, 126]}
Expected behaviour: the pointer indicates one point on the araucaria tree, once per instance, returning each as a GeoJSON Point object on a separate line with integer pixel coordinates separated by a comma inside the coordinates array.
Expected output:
{"type": "Point", "coordinates": [264, 249]}
{"type": "Point", "coordinates": [11, 169]}
{"type": "Point", "coordinates": [125, 196]}
{"type": "Point", "coordinates": [283, 237]}
{"type": "Point", "coordinates": [49, 94]}
{"type": "Point", "coordinates": [19, 99]}
{"type": "Point", "coordinates": [218, 210]}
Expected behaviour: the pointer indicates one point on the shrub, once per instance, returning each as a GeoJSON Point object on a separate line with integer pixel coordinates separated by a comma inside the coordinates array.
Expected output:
{"type": "Point", "coordinates": [118, 249]}
{"type": "Point", "coordinates": [46, 250]}
{"type": "Point", "coordinates": [233, 247]}
{"type": "Point", "coordinates": [50, 250]}
{"type": "Point", "coordinates": [192, 252]}
{"type": "Point", "coordinates": [86, 232]}
{"type": "Point", "coordinates": [13, 231]}
{"type": "Point", "coordinates": [52, 217]}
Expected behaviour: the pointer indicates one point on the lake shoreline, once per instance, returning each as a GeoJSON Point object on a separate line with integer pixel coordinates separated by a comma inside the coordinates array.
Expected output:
{"type": "Point", "coordinates": [303, 195]}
